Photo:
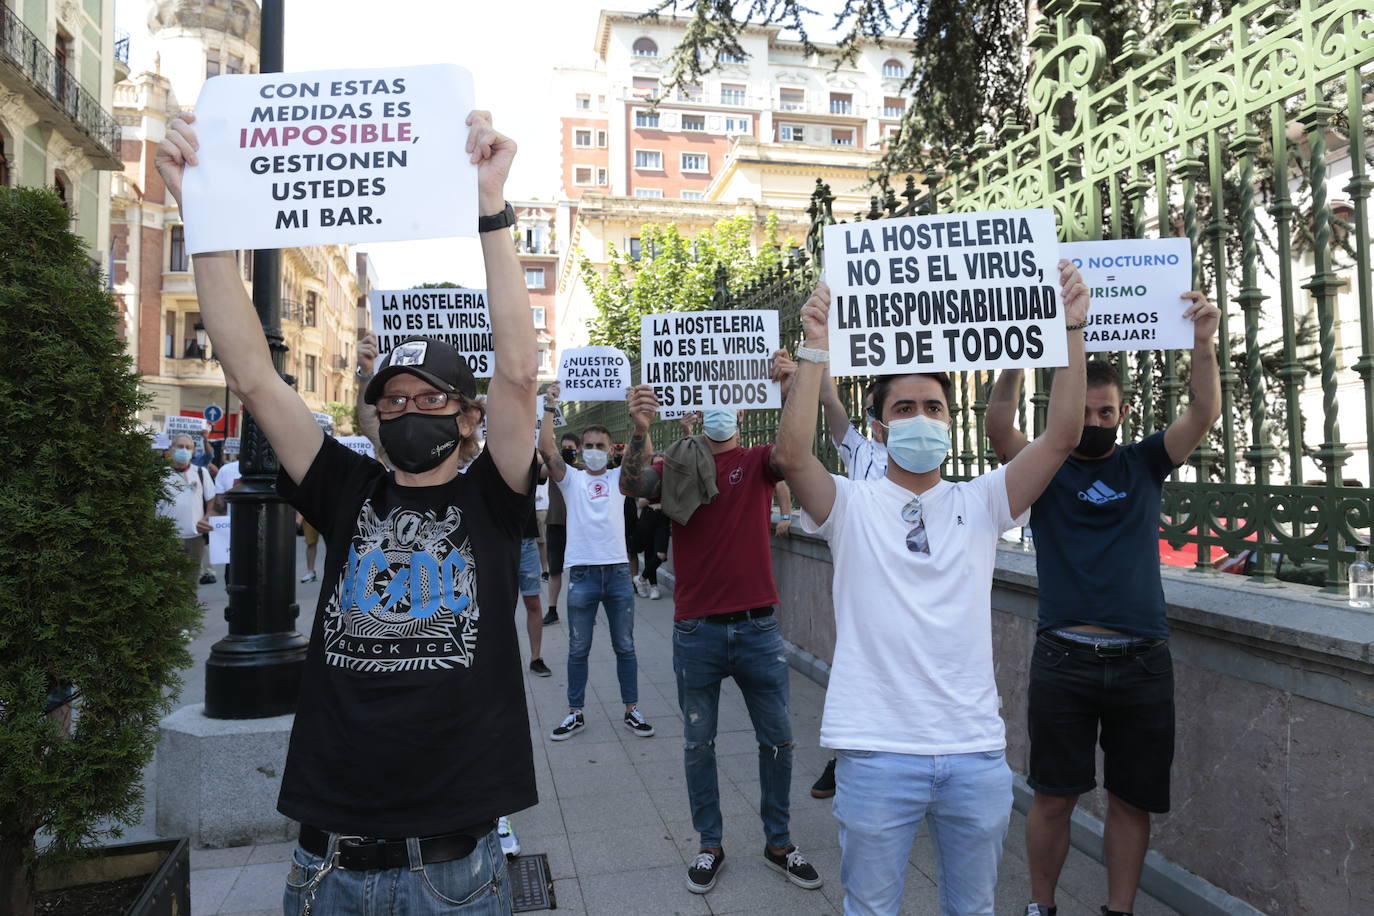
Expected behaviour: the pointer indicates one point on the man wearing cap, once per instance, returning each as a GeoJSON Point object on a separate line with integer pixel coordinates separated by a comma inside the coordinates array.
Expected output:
{"type": "Point", "coordinates": [411, 734]}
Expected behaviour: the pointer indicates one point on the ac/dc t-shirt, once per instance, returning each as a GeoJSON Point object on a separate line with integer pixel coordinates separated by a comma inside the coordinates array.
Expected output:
{"type": "Point", "coordinates": [412, 719]}
{"type": "Point", "coordinates": [1097, 541]}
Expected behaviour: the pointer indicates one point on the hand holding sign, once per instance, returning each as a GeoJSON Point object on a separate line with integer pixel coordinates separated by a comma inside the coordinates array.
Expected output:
{"type": "Point", "coordinates": [493, 154]}
{"type": "Point", "coordinates": [176, 151]}
{"type": "Point", "coordinates": [815, 318]}
{"type": "Point", "coordinates": [1205, 316]}
{"type": "Point", "coordinates": [784, 370]}
{"type": "Point", "coordinates": [643, 405]}
{"type": "Point", "coordinates": [1074, 294]}
{"type": "Point", "coordinates": [367, 352]}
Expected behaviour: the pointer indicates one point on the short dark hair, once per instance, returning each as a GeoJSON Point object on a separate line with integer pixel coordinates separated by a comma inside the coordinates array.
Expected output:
{"type": "Point", "coordinates": [883, 386]}
{"type": "Point", "coordinates": [1101, 372]}
{"type": "Point", "coordinates": [597, 428]}
{"type": "Point", "coordinates": [570, 435]}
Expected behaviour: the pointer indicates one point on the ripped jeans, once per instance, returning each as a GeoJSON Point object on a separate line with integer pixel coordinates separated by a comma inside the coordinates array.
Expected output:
{"type": "Point", "coordinates": [750, 651]}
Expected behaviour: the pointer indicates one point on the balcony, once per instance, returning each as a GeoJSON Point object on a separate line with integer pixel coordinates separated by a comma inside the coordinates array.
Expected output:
{"type": "Point", "coordinates": [56, 95]}
{"type": "Point", "coordinates": [121, 56]}
{"type": "Point", "coordinates": [840, 107]}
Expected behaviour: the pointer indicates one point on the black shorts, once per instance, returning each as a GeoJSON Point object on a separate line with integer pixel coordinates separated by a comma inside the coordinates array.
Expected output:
{"type": "Point", "coordinates": [556, 543]}
{"type": "Point", "coordinates": [1078, 700]}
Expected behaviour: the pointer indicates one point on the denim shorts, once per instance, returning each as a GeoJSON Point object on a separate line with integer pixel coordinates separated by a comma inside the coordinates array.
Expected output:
{"type": "Point", "coordinates": [529, 567]}
{"type": "Point", "coordinates": [1078, 700]}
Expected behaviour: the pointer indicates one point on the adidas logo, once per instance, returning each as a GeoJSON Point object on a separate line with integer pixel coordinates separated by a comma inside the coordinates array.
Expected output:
{"type": "Point", "coordinates": [1100, 494]}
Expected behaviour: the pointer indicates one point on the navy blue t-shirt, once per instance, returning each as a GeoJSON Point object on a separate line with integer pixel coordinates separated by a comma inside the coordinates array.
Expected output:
{"type": "Point", "coordinates": [1097, 541]}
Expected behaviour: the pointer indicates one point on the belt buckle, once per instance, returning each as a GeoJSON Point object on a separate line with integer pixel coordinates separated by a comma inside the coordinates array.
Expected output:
{"type": "Point", "coordinates": [1106, 650]}
{"type": "Point", "coordinates": [354, 842]}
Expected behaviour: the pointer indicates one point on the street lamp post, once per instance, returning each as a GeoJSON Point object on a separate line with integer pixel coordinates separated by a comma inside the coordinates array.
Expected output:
{"type": "Point", "coordinates": [255, 671]}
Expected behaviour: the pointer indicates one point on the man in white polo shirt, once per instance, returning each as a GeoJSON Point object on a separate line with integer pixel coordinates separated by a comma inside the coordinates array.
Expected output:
{"type": "Point", "coordinates": [912, 703]}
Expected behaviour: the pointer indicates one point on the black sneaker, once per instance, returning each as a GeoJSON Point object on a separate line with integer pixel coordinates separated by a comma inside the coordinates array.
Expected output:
{"type": "Point", "coordinates": [794, 865]}
{"type": "Point", "coordinates": [702, 873]}
{"type": "Point", "coordinates": [1107, 912]}
{"type": "Point", "coordinates": [825, 786]}
{"type": "Point", "coordinates": [1039, 909]}
{"type": "Point", "coordinates": [208, 578]}
{"type": "Point", "coordinates": [635, 722]}
{"type": "Point", "coordinates": [571, 725]}
{"type": "Point", "coordinates": [544, 576]}
{"type": "Point", "coordinates": [551, 617]}
{"type": "Point", "coordinates": [539, 668]}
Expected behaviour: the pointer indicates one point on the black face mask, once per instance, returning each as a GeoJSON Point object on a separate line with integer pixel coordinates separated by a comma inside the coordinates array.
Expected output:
{"type": "Point", "coordinates": [417, 442]}
{"type": "Point", "coordinates": [569, 455]}
{"type": "Point", "coordinates": [1097, 441]}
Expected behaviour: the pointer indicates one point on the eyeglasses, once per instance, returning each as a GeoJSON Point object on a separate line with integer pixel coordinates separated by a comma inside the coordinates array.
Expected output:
{"type": "Point", "coordinates": [916, 539]}
{"type": "Point", "coordinates": [393, 404]}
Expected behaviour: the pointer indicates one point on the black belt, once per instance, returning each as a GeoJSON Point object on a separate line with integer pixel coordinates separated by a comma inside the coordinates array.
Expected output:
{"type": "Point", "coordinates": [369, 853]}
{"type": "Point", "coordinates": [1105, 650]}
{"type": "Point", "coordinates": [738, 616]}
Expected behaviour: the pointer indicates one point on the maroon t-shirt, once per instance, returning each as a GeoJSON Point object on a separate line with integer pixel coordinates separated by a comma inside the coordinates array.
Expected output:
{"type": "Point", "coordinates": [722, 558]}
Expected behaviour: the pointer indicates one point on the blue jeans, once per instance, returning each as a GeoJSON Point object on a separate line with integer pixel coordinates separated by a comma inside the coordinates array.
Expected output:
{"type": "Point", "coordinates": [475, 885]}
{"type": "Point", "coordinates": [610, 586]}
{"type": "Point", "coordinates": [751, 652]}
{"type": "Point", "coordinates": [880, 800]}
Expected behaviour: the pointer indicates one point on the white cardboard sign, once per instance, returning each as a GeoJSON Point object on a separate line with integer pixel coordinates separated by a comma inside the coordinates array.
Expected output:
{"type": "Point", "coordinates": [457, 316]}
{"type": "Point", "coordinates": [219, 539]}
{"type": "Point", "coordinates": [593, 374]}
{"type": "Point", "coordinates": [1135, 286]}
{"type": "Point", "coordinates": [331, 156]}
{"type": "Point", "coordinates": [191, 426]}
{"type": "Point", "coordinates": [325, 421]}
{"type": "Point", "coordinates": [360, 444]}
{"type": "Point", "coordinates": [231, 445]}
{"type": "Point", "coordinates": [945, 293]}
{"type": "Point", "coordinates": [696, 360]}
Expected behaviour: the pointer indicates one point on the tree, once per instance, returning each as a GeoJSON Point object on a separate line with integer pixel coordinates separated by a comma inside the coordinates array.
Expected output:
{"type": "Point", "coordinates": [339, 412]}
{"type": "Point", "coordinates": [95, 598]}
{"type": "Point", "coordinates": [671, 273]}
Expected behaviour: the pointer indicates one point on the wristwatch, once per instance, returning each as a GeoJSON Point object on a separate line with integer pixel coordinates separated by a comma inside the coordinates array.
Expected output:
{"type": "Point", "coordinates": [359, 373]}
{"type": "Point", "coordinates": [496, 221]}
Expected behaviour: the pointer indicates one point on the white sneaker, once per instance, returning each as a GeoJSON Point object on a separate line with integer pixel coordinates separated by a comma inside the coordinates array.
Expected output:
{"type": "Point", "coordinates": [654, 592]}
{"type": "Point", "coordinates": [510, 843]}
{"type": "Point", "coordinates": [641, 586]}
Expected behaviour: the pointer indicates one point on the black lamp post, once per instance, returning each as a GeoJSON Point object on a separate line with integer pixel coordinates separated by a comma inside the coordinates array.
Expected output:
{"type": "Point", "coordinates": [255, 671]}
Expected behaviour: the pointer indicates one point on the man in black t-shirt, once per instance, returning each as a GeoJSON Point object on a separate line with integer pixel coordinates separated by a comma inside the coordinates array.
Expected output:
{"type": "Point", "coordinates": [411, 734]}
{"type": "Point", "coordinates": [1101, 661]}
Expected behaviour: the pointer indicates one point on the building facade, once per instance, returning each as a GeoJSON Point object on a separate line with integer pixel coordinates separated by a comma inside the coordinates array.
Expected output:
{"type": "Point", "coordinates": [58, 64]}
{"type": "Point", "coordinates": [536, 244]}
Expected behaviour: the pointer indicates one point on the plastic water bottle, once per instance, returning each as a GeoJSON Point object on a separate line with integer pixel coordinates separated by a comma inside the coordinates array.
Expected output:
{"type": "Point", "coordinates": [1027, 541]}
{"type": "Point", "coordinates": [1361, 575]}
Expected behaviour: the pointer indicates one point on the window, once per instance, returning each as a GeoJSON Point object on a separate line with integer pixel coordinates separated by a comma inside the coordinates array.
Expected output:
{"type": "Point", "coordinates": [312, 306]}
{"type": "Point", "coordinates": [841, 103]}
{"type": "Point", "coordinates": [601, 178]}
{"type": "Point", "coordinates": [695, 162]}
{"type": "Point", "coordinates": [582, 101]}
{"type": "Point", "coordinates": [312, 364]}
{"type": "Point", "coordinates": [842, 136]}
{"type": "Point", "coordinates": [235, 64]}
{"type": "Point", "coordinates": [645, 47]}
{"type": "Point", "coordinates": [534, 239]}
{"type": "Point", "coordinates": [727, 56]}
{"type": "Point", "coordinates": [534, 278]}
{"type": "Point", "coordinates": [169, 335]}
{"type": "Point", "coordinates": [693, 195]}
{"type": "Point", "coordinates": [731, 94]}
{"type": "Point", "coordinates": [649, 192]}
{"type": "Point", "coordinates": [601, 139]}
{"type": "Point", "coordinates": [646, 118]}
{"type": "Point", "coordinates": [635, 251]}
{"type": "Point", "coordinates": [211, 63]}
{"type": "Point", "coordinates": [177, 262]}
{"type": "Point", "coordinates": [190, 349]}
{"type": "Point", "coordinates": [582, 175]}
{"type": "Point", "coordinates": [791, 133]}
{"type": "Point", "coordinates": [644, 87]}
{"type": "Point", "coordinates": [582, 138]}
{"type": "Point", "coordinates": [894, 69]}
{"type": "Point", "coordinates": [737, 125]}
{"type": "Point", "coordinates": [690, 92]}
{"type": "Point", "coordinates": [893, 107]}
{"type": "Point", "coordinates": [649, 159]}
{"type": "Point", "coordinates": [792, 99]}
{"type": "Point", "coordinates": [693, 122]}
{"type": "Point", "coordinates": [537, 313]}
{"type": "Point", "coordinates": [544, 364]}
{"type": "Point", "coordinates": [63, 189]}
{"type": "Point", "coordinates": [62, 56]}
{"type": "Point", "coordinates": [4, 165]}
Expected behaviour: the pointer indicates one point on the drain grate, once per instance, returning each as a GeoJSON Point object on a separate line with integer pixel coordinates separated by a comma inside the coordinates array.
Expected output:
{"type": "Point", "coordinates": [529, 878]}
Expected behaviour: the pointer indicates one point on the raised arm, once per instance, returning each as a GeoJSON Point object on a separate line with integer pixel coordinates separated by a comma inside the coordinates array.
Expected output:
{"type": "Point", "coordinates": [837, 421]}
{"type": "Point", "coordinates": [782, 495]}
{"type": "Point", "coordinates": [1007, 441]}
{"type": "Point", "coordinates": [1204, 386]}
{"type": "Point", "coordinates": [548, 448]}
{"type": "Point", "coordinates": [1034, 467]}
{"type": "Point", "coordinates": [234, 329]}
{"type": "Point", "coordinates": [813, 487]}
{"type": "Point", "coordinates": [636, 477]}
{"type": "Point", "coordinates": [514, 379]}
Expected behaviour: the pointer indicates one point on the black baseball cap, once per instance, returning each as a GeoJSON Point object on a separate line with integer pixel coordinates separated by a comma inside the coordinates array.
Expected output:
{"type": "Point", "coordinates": [431, 359]}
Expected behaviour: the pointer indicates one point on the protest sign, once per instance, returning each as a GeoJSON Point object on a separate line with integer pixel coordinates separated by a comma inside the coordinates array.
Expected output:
{"type": "Point", "coordinates": [188, 426]}
{"type": "Point", "coordinates": [458, 317]}
{"type": "Point", "coordinates": [329, 157]}
{"type": "Point", "coordinates": [593, 374]}
{"type": "Point", "coordinates": [162, 442]}
{"type": "Point", "coordinates": [945, 293]}
{"type": "Point", "coordinates": [231, 445]}
{"type": "Point", "coordinates": [325, 420]}
{"type": "Point", "coordinates": [360, 444]}
{"type": "Point", "coordinates": [1135, 286]}
{"type": "Point", "coordinates": [696, 360]}
{"type": "Point", "coordinates": [219, 539]}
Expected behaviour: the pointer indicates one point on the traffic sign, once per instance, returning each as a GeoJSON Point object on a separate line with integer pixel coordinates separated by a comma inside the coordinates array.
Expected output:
{"type": "Point", "coordinates": [214, 413]}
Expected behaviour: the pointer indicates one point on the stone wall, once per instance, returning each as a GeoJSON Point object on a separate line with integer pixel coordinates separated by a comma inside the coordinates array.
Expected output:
{"type": "Point", "coordinates": [1273, 779]}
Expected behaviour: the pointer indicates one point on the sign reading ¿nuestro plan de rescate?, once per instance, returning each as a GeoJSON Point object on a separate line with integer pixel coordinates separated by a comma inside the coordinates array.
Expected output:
{"type": "Point", "coordinates": [331, 157]}
{"type": "Point", "coordinates": [945, 293]}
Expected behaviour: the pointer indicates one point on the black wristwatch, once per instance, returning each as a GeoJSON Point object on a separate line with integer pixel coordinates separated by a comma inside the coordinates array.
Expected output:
{"type": "Point", "coordinates": [502, 220]}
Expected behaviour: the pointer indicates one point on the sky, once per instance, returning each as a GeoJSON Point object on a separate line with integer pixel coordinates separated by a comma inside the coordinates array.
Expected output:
{"type": "Point", "coordinates": [511, 46]}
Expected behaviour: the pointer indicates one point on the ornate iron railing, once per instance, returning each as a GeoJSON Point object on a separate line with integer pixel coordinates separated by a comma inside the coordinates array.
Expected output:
{"type": "Point", "coordinates": [1230, 137]}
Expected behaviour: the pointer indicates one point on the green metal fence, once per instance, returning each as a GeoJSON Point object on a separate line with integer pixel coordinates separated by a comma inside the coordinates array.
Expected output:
{"type": "Point", "coordinates": [1229, 137]}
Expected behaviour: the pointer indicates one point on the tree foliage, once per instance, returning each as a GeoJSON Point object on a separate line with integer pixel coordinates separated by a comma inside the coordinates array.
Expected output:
{"type": "Point", "coordinates": [675, 274]}
{"type": "Point", "coordinates": [94, 588]}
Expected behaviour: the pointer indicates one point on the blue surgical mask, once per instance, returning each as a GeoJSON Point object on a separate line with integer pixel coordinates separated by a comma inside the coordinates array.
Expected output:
{"type": "Point", "coordinates": [595, 459]}
{"type": "Point", "coordinates": [719, 425]}
{"type": "Point", "coordinates": [181, 456]}
{"type": "Point", "coordinates": [917, 444]}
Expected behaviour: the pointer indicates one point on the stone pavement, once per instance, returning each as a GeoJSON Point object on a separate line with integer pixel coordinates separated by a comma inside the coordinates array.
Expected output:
{"type": "Point", "coordinates": [613, 817]}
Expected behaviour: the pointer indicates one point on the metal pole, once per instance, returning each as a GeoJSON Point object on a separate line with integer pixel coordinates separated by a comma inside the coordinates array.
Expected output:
{"type": "Point", "coordinates": [255, 671]}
